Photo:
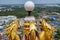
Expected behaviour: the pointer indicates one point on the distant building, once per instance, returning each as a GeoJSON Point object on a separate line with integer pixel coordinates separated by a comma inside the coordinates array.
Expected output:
{"type": "Point", "coordinates": [4, 20]}
{"type": "Point", "coordinates": [55, 23]}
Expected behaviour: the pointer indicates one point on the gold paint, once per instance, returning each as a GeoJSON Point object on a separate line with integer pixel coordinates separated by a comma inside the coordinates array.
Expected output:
{"type": "Point", "coordinates": [47, 31]}
{"type": "Point", "coordinates": [11, 30]}
{"type": "Point", "coordinates": [30, 31]}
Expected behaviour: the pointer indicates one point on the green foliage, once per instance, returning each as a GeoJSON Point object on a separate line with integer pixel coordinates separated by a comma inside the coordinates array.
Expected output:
{"type": "Point", "coordinates": [20, 12]}
{"type": "Point", "coordinates": [57, 36]}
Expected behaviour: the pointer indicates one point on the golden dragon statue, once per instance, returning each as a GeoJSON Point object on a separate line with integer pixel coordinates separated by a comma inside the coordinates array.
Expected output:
{"type": "Point", "coordinates": [30, 31]}
{"type": "Point", "coordinates": [11, 30]}
{"type": "Point", "coordinates": [46, 30]}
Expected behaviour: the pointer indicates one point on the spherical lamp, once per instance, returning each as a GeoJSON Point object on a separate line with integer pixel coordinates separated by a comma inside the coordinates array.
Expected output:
{"type": "Point", "coordinates": [29, 6]}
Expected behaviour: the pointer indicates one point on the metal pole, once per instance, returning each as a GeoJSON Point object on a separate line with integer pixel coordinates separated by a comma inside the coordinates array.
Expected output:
{"type": "Point", "coordinates": [29, 13]}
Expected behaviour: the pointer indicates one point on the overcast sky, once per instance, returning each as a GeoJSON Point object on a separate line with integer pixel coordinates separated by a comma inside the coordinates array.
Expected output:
{"type": "Point", "coordinates": [35, 1]}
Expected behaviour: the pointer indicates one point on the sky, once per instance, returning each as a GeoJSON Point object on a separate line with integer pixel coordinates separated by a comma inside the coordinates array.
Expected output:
{"type": "Point", "coordinates": [35, 1]}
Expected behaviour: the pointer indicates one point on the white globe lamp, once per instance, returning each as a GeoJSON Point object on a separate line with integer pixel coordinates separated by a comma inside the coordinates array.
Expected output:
{"type": "Point", "coordinates": [29, 6]}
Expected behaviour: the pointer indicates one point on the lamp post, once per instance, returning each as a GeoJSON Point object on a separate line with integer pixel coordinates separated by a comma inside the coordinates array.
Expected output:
{"type": "Point", "coordinates": [29, 6]}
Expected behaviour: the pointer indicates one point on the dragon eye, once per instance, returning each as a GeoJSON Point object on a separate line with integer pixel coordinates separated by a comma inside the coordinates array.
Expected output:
{"type": "Point", "coordinates": [40, 22]}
